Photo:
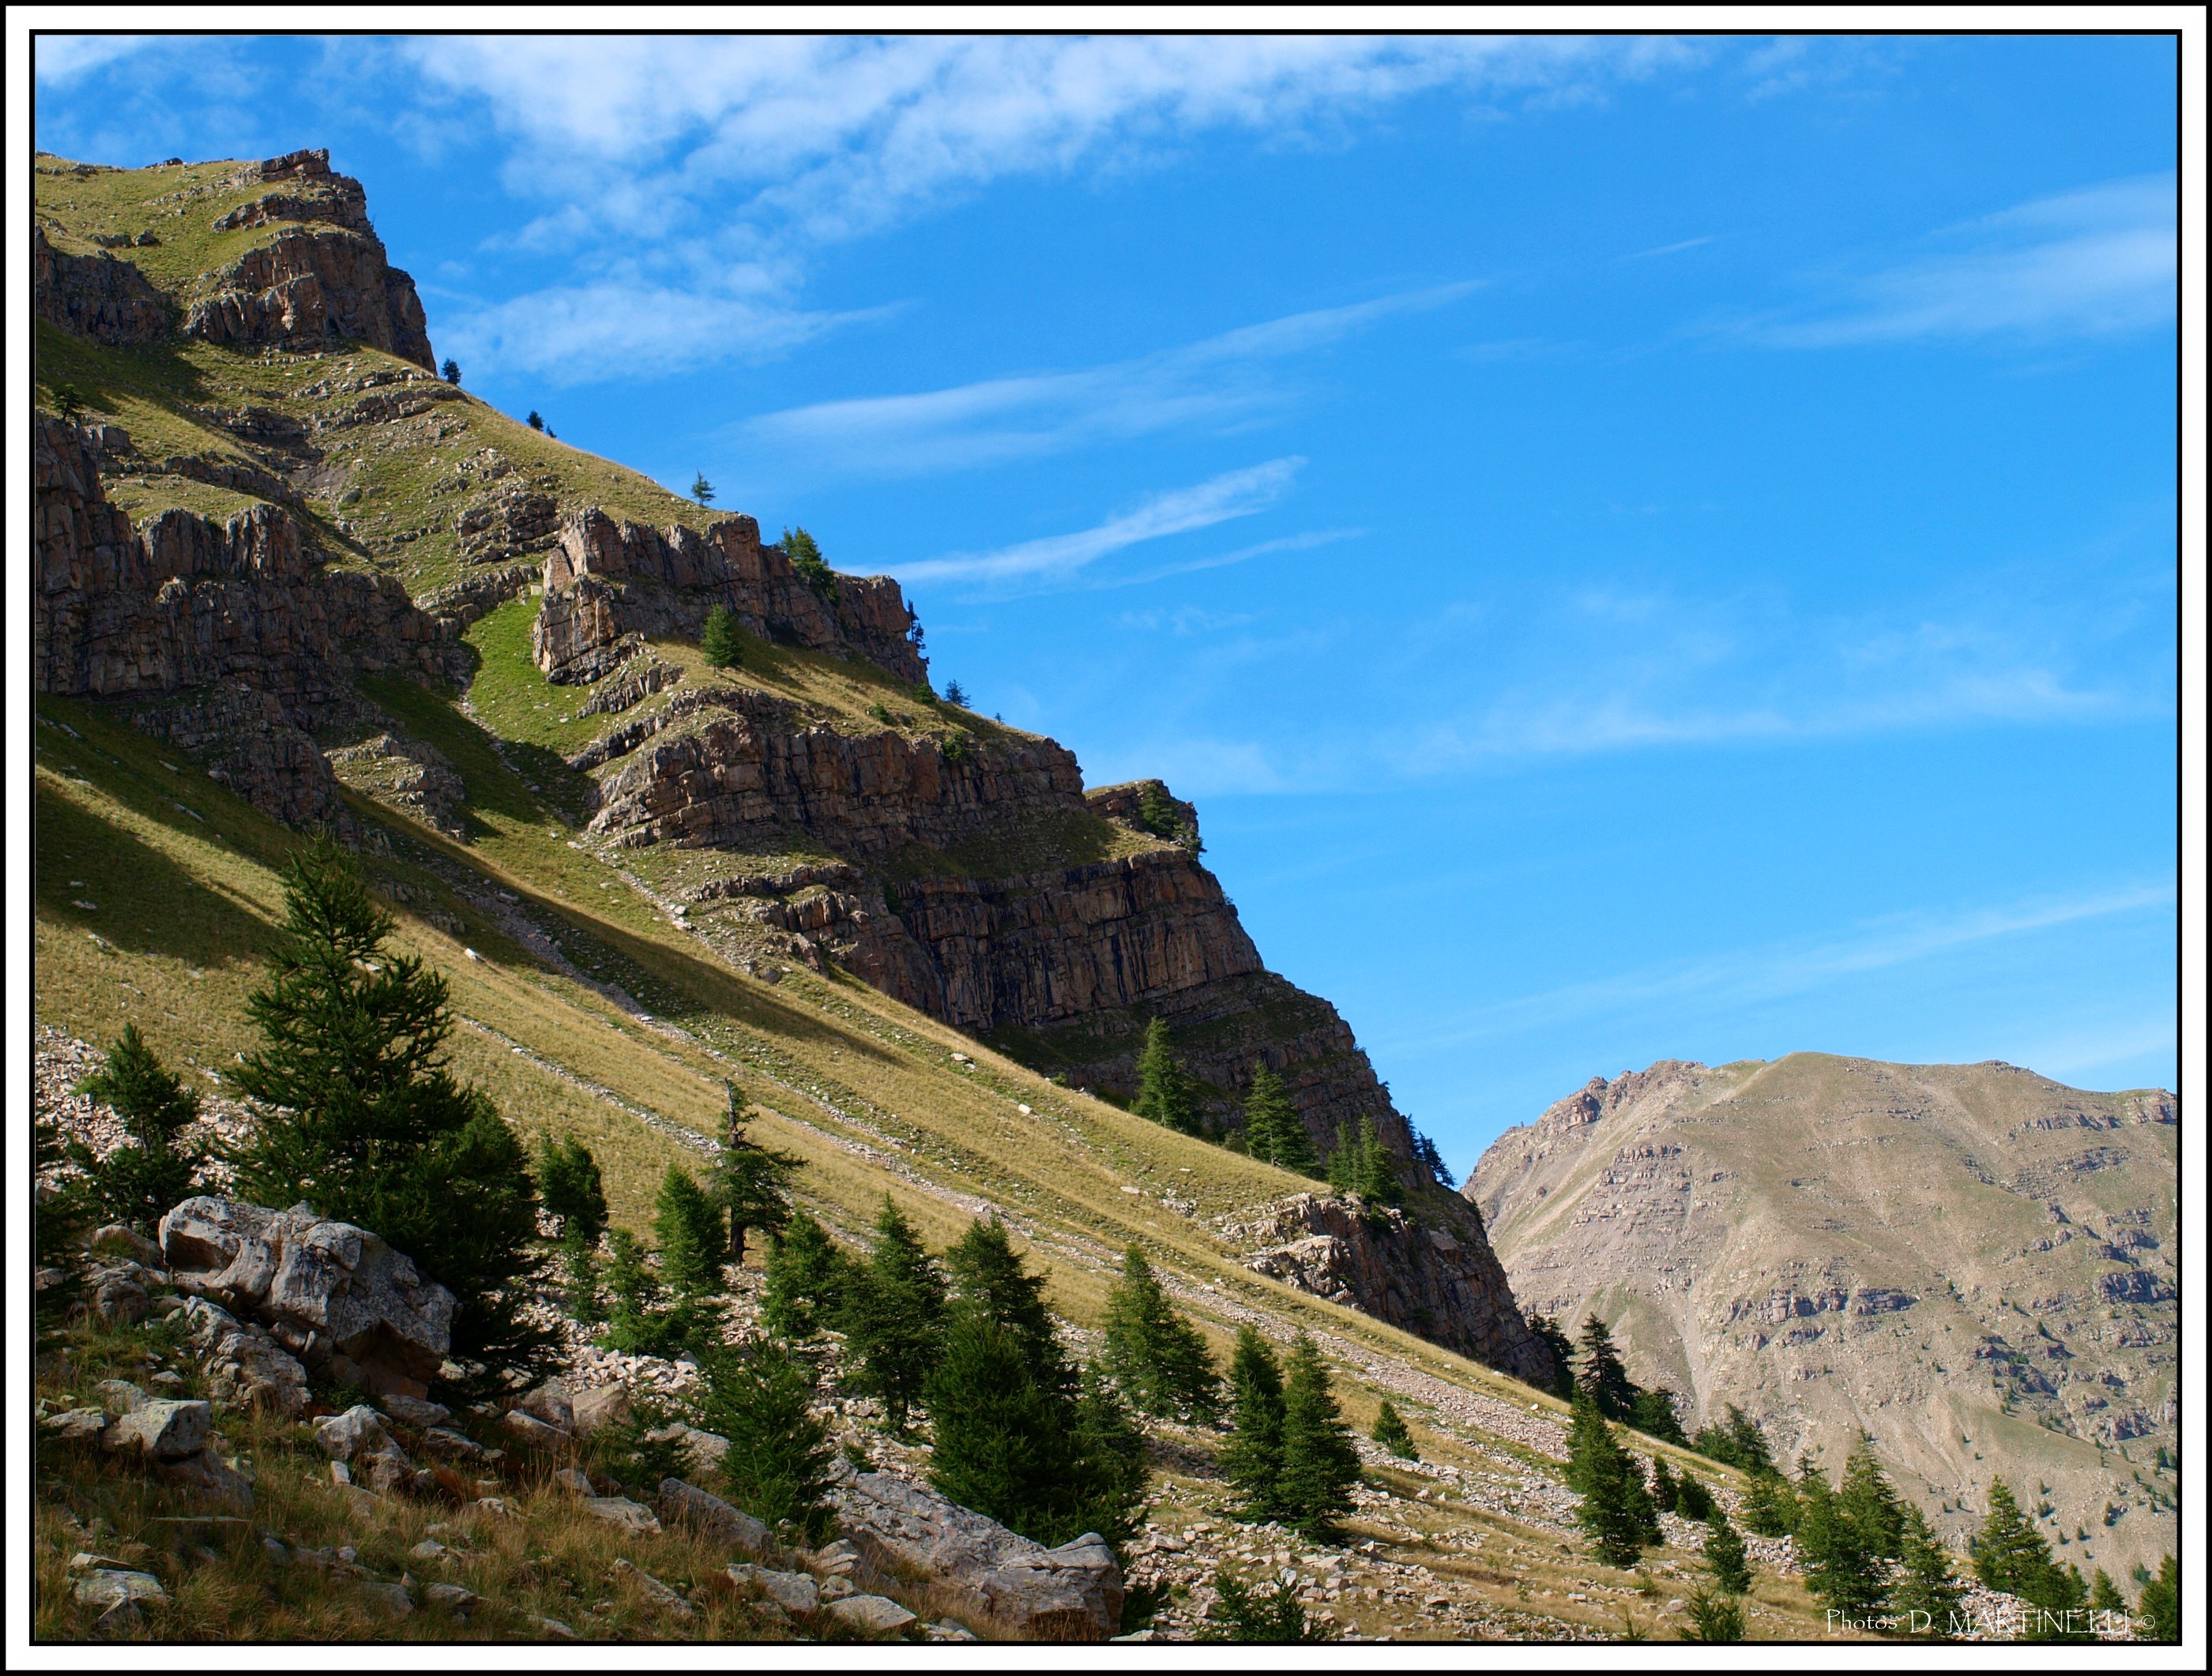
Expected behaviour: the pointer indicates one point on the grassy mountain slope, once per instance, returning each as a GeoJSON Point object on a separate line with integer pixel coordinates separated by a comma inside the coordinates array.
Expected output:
{"type": "Point", "coordinates": [1972, 1263]}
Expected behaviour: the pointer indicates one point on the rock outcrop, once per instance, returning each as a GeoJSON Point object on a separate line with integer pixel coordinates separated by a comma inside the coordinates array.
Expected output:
{"type": "Point", "coordinates": [323, 276]}
{"type": "Point", "coordinates": [606, 581]}
{"type": "Point", "coordinates": [1935, 1254]}
{"type": "Point", "coordinates": [1069, 1594]}
{"type": "Point", "coordinates": [1445, 1284]}
{"type": "Point", "coordinates": [102, 297]}
{"type": "Point", "coordinates": [335, 1295]}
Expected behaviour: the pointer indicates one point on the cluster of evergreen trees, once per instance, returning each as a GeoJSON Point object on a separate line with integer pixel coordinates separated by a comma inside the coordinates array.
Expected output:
{"type": "Point", "coordinates": [1359, 1164]}
{"type": "Point", "coordinates": [1592, 1369]}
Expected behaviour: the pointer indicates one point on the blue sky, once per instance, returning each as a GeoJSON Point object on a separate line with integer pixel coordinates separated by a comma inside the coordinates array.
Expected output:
{"type": "Point", "coordinates": [1639, 548]}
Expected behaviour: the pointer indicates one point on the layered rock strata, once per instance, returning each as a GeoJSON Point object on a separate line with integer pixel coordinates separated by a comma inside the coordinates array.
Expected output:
{"type": "Point", "coordinates": [100, 297]}
{"type": "Point", "coordinates": [606, 581]}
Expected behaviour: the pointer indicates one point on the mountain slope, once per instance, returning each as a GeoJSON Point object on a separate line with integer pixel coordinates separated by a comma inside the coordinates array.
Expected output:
{"type": "Point", "coordinates": [1974, 1264]}
{"type": "Point", "coordinates": [279, 543]}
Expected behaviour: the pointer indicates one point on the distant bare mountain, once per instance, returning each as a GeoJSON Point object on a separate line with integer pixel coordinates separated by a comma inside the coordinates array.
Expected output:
{"type": "Point", "coordinates": [1975, 1264]}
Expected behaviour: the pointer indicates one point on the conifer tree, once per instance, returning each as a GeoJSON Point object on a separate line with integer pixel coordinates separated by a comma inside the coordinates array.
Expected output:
{"type": "Point", "coordinates": [1664, 1490]}
{"type": "Point", "coordinates": [1343, 1164]}
{"type": "Point", "coordinates": [1253, 1459]}
{"type": "Point", "coordinates": [807, 1279]}
{"type": "Point", "coordinates": [1391, 1432]}
{"type": "Point", "coordinates": [718, 638]}
{"type": "Point", "coordinates": [1770, 1505]}
{"type": "Point", "coordinates": [639, 1320]}
{"type": "Point", "coordinates": [777, 1465]}
{"type": "Point", "coordinates": [1692, 1500]}
{"type": "Point", "coordinates": [1545, 1329]}
{"type": "Point", "coordinates": [362, 1117]}
{"type": "Point", "coordinates": [2105, 1595]}
{"type": "Point", "coordinates": [140, 1181]}
{"type": "Point", "coordinates": [1724, 1555]}
{"type": "Point", "coordinates": [1867, 1499]}
{"type": "Point", "coordinates": [2160, 1603]}
{"type": "Point", "coordinates": [689, 1226]}
{"type": "Point", "coordinates": [570, 1188]}
{"type": "Point", "coordinates": [1165, 1091]}
{"type": "Point", "coordinates": [750, 1183]}
{"type": "Point", "coordinates": [1157, 1358]}
{"type": "Point", "coordinates": [1600, 1376]}
{"type": "Point", "coordinates": [1736, 1441]}
{"type": "Point", "coordinates": [1927, 1591]}
{"type": "Point", "coordinates": [1110, 1473]}
{"type": "Point", "coordinates": [988, 1275]}
{"type": "Point", "coordinates": [894, 1317]}
{"type": "Point", "coordinates": [1842, 1562]}
{"type": "Point", "coordinates": [1713, 1618]}
{"type": "Point", "coordinates": [1652, 1413]}
{"type": "Point", "coordinates": [806, 556]}
{"type": "Point", "coordinates": [1616, 1510]}
{"type": "Point", "coordinates": [1272, 1128]}
{"type": "Point", "coordinates": [2010, 1555]}
{"type": "Point", "coordinates": [701, 490]}
{"type": "Point", "coordinates": [1320, 1462]}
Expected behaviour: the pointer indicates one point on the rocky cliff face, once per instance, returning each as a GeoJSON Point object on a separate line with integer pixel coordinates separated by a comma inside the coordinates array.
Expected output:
{"type": "Point", "coordinates": [235, 637]}
{"type": "Point", "coordinates": [1972, 1262]}
{"type": "Point", "coordinates": [608, 585]}
{"type": "Point", "coordinates": [100, 297]}
{"type": "Point", "coordinates": [1442, 1282]}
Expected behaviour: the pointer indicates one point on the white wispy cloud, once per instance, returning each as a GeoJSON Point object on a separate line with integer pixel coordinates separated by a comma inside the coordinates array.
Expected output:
{"type": "Point", "coordinates": [1748, 977]}
{"type": "Point", "coordinates": [62, 59]}
{"type": "Point", "coordinates": [1217, 381]}
{"type": "Point", "coordinates": [1054, 558]}
{"type": "Point", "coordinates": [2084, 263]}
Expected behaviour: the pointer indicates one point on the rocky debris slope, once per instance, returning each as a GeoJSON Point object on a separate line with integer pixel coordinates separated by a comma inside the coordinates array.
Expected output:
{"type": "Point", "coordinates": [333, 1294]}
{"type": "Point", "coordinates": [606, 581]}
{"type": "Point", "coordinates": [1444, 1286]}
{"type": "Point", "coordinates": [1935, 1254]}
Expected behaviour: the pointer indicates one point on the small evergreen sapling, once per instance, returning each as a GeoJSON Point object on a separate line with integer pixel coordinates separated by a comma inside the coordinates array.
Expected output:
{"type": "Point", "coordinates": [1253, 1459]}
{"type": "Point", "coordinates": [751, 1184]}
{"type": "Point", "coordinates": [1771, 1507]}
{"type": "Point", "coordinates": [1320, 1463]}
{"type": "Point", "coordinates": [1273, 1615]}
{"type": "Point", "coordinates": [1601, 1376]}
{"type": "Point", "coordinates": [639, 1320]}
{"type": "Point", "coordinates": [894, 1317]}
{"type": "Point", "coordinates": [689, 1226]}
{"type": "Point", "coordinates": [536, 421]}
{"type": "Point", "coordinates": [1391, 1432]}
{"type": "Point", "coordinates": [1616, 1510]}
{"type": "Point", "coordinates": [1157, 1358]}
{"type": "Point", "coordinates": [1166, 1093]}
{"type": "Point", "coordinates": [1713, 1618]}
{"type": "Point", "coordinates": [777, 1466]}
{"type": "Point", "coordinates": [806, 556]}
{"type": "Point", "coordinates": [1272, 1128]}
{"type": "Point", "coordinates": [451, 372]}
{"type": "Point", "coordinates": [701, 490]}
{"type": "Point", "coordinates": [718, 638]}
{"type": "Point", "coordinates": [569, 1187]}
{"type": "Point", "coordinates": [807, 1275]}
{"type": "Point", "coordinates": [1692, 1500]}
{"type": "Point", "coordinates": [1927, 1591]}
{"type": "Point", "coordinates": [140, 1181]}
{"type": "Point", "coordinates": [956, 694]}
{"type": "Point", "coordinates": [1664, 1490]}
{"type": "Point", "coordinates": [1725, 1554]}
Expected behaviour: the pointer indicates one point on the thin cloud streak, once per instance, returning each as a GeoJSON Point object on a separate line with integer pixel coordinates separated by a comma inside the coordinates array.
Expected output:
{"type": "Point", "coordinates": [1232, 494]}
{"type": "Point", "coordinates": [1216, 381]}
{"type": "Point", "coordinates": [1749, 977]}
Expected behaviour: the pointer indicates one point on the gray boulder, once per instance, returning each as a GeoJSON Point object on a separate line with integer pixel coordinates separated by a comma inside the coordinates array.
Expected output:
{"type": "Point", "coordinates": [619, 1510]}
{"type": "Point", "coordinates": [244, 1365]}
{"type": "Point", "coordinates": [104, 1588]}
{"type": "Point", "coordinates": [550, 1403]}
{"type": "Point", "coordinates": [160, 1430]}
{"type": "Point", "coordinates": [797, 1593]}
{"type": "Point", "coordinates": [683, 1503]}
{"type": "Point", "coordinates": [335, 1295]}
{"type": "Point", "coordinates": [600, 1406]}
{"type": "Point", "coordinates": [1071, 1593]}
{"type": "Point", "coordinates": [415, 1411]}
{"type": "Point", "coordinates": [872, 1614]}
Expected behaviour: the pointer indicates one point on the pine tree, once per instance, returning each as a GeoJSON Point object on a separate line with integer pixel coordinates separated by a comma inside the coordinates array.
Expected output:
{"type": "Point", "coordinates": [1664, 1490]}
{"type": "Point", "coordinates": [1692, 1500]}
{"type": "Point", "coordinates": [777, 1465]}
{"type": "Point", "coordinates": [451, 372]}
{"type": "Point", "coordinates": [140, 1181]}
{"type": "Point", "coordinates": [1157, 1358]}
{"type": "Point", "coordinates": [580, 1263]}
{"type": "Point", "coordinates": [2104, 1596]}
{"type": "Point", "coordinates": [751, 1184]}
{"type": "Point", "coordinates": [1546, 1330]}
{"type": "Point", "coordinates": [1275, 1615]}
{"type": "Point", "coordinates": [807, 1275]}
{"type": "Point", "coordinates": [2160, 1603]}
{"type": "Point", "coordinates": [1273, 1130]}
{"type": "Point", "coordinates": [1770, 1505]}
{"type": "Point", "coordinates": [1110, 1473]}
{"type": "Point", "coordinates": [363, 1119]}
{"type": "Point", "coordinates": [1927, 1591]}
{"type": "Point", "coordinates": [1843, 1566]}
{"type": "Point", "coordinates": [1600, 1376]}
{"type": "Point", "coordinates": [806, 556]}
{"type": "Point", "coordinates": [1320, 1462]}
{"type": "Point", "coordinates": [2010, 1555]}
{"type": "Point", "coordinates": [1616, 1510]}
{"type": "Point", "coordinates": [718, 638]}
{"type": "Point", "coordinates": [1253, 1459]}
{"type": "Point", "coordinates": [701, 490]}
{"type": "Point", "coordinates": [689, 1226]}
{"type": "Point", "coordinates": [537, 419]}
{"type": "Point", "coordinates": [1361, 1166]}
{"type": "Point", "coordinates": [639, 1320]}
{"type": "Point", "coordinates": [1712, 1618]}
{"type": "Point", "coordinates": [1652, 1413]}
{"type": "Point", "coordinates": [894, 1317]}
{"type": "Point", "coordinates": [1737, 1442]}
{"type": "Point", "coordinates": [1867, 1499]}
{"type": "Point", "coordinates": [1725, 1554]}
{"type": "Point", "coordinates": [1392, 1433]}
{"type": "Point", "coordinates": [1165, 1092]}
{"type": "Point", "coordinates": [569, 1187]}
{"type": "Point", "coordinates": [988, 1275]}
